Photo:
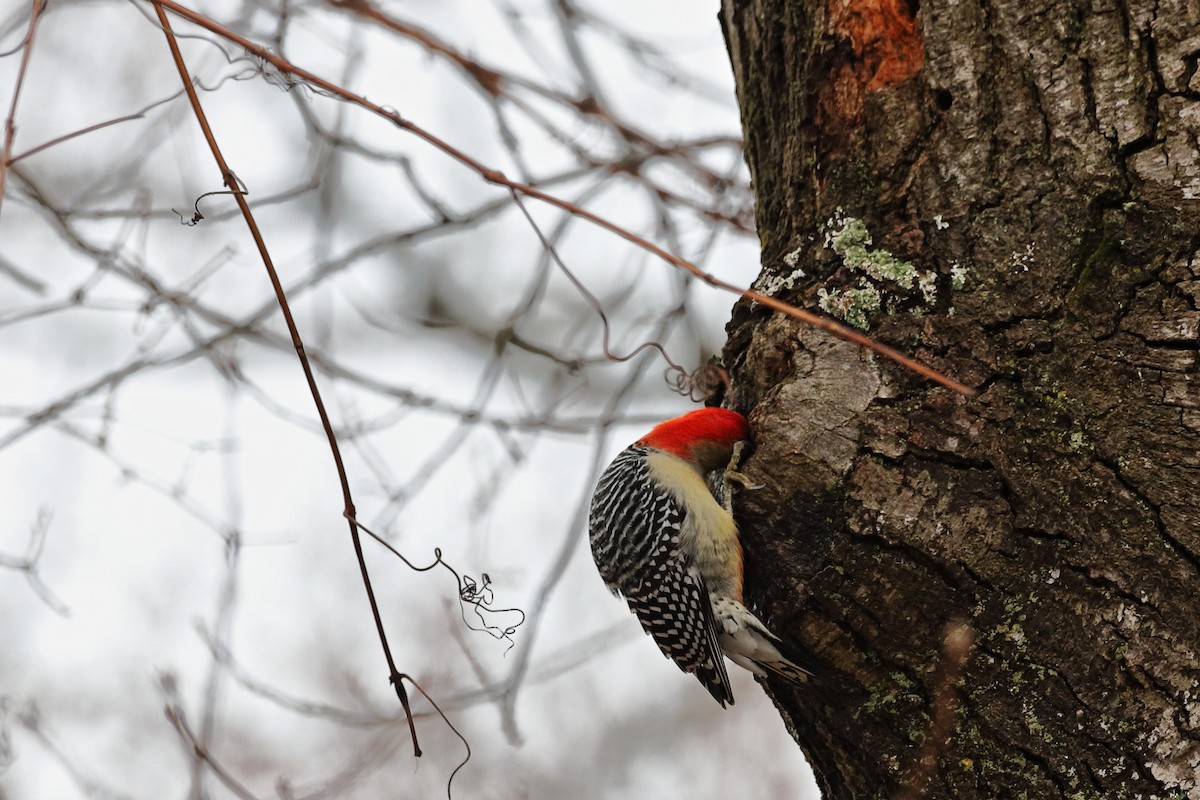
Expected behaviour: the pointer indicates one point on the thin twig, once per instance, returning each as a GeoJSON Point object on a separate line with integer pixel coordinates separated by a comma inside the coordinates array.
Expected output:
{"type": "Point", "coordinates": [10, 127]}
{"type": "Point", "coordinates": [684, 382]}
{"type": "Point", "coordinates": [463, 739]}
{"type": "Point", "coordinates": [231, 182]}
{"type": "Point", "coordinates": [67, 137]}
{"type": "Point", "coordinates": [175, 715]}
{"type": "Point", "coordinates": [591, 299]}
{"type": "Point", "coordinates": [498, 178]}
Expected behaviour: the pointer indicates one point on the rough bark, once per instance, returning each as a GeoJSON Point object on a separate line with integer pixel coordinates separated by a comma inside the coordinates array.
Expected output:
{"type": "Point", "coordinates": [1035, 163]}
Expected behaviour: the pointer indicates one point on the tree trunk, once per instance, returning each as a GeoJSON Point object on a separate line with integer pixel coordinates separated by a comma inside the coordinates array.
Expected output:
{"type": "Point", "coordinates": [1007, 190]}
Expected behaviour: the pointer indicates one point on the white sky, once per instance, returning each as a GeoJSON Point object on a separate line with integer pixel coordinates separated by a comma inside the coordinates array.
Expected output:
{"type": "Point", "coordinates": [138, 483]}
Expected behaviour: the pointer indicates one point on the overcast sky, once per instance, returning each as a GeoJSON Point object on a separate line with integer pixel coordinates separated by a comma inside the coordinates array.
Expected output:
{"type": "Point", "coordinates": [160, 462]}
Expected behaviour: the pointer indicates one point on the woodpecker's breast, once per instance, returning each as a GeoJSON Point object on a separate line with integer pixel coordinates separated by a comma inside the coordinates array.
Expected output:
{"type": "Point", "coordinates": [709, 535]}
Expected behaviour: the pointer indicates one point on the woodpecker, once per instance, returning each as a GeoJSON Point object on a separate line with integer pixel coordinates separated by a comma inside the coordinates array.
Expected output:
{"type": "Point", "coordinates": [661, 539]}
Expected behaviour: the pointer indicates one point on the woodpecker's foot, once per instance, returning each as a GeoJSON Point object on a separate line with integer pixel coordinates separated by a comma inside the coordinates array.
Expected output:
{"type": "Point", "coordinates": [731, 475]}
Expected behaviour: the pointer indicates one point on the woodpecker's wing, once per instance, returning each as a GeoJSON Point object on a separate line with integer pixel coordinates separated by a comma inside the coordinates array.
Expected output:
{"type": "Point", "coordinates": [678, 615]}
{"type": "Point", "coordinates": [634, 532]}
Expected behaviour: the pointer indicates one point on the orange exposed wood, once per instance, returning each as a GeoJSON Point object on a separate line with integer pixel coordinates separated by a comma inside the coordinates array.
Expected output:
{"type": "Point", "coordinates": [886, 49]}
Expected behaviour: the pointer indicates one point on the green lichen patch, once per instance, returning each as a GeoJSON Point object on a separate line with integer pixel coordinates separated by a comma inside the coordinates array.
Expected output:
{"type": "Point", "coordinates": [885, 281]}
{"type": "Point", "coordinates": [852, 242]}
{"type": "Point", "coordinates": [852, 305]}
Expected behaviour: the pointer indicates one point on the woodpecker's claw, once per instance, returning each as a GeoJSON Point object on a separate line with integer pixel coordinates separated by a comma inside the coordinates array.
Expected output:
{"type": "Point", "coordinates": [721, 481]}
{"type": "Point", "coordinates": [744, 482]}
{"type": "Point", "coordinates": [732, 474]}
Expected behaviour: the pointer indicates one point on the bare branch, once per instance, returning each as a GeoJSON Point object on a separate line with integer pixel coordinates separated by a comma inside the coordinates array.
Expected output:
{"type": "Point", "coordinates": [234, 187]}
{"type": "Point", "coordinates": [10, 126]}
{"type": "Point", "coordinates": [496, 177]}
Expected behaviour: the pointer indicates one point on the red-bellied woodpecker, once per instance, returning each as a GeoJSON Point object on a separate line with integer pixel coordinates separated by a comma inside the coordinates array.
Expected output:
{"type": "Point", "coordinates": [662, 540]}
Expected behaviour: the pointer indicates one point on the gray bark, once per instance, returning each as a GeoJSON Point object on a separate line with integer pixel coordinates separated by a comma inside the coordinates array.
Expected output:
{"type": "Point", "coordinates": [1036, 165]}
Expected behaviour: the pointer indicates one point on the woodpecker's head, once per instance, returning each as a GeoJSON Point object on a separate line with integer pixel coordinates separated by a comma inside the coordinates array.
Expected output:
{"type": "Point", "coordinates": [704, 437]}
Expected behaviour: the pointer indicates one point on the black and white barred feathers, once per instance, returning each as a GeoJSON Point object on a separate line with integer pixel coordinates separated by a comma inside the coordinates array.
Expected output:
{"type": "Point", "coordinates": [635, 537]}
{"type": "Point", "coordinates": [663, 541]}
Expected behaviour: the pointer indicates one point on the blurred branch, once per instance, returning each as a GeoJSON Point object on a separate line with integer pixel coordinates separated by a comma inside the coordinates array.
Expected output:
{"type": "Point", "coordinates": [227, 597]}
{"type": "Point", "coordinates": [29, 716]}
{"type": "Point", "coordinates": [957, 641]}
{"type": "Point", "coordinates": [567, 17]}
{"type": "Point", "coordinates": [10, 126]}
{"type": "Point", "coordinates": [251, 327]}
{"type": "Point", "coordinates": [570, 540]}
{"type": "Point", "coordinates": [683, 382]}
{"type": "Point", "coordinates": [21, 278]}
{"type": "Point", "coordinates": [498, 178]}
{"type": "Point", "coordinates": [28, 564]}
{"type": "Point", "coordinates": [178, 718]}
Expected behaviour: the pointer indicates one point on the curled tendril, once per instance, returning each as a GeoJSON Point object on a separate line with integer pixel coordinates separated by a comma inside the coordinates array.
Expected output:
{"type": "Point", "coordinates": [684, 382]}
{"type": "Point", "coordinates": [699, 384]}
{"type": "Point", "coordinates": [197, 216]}
{"type": "Point", "coordinates": [273, 76]}
{"type": "Point", "coordinates": [481, 593]}
{"type": "Point", "coordinates": [480, 597]}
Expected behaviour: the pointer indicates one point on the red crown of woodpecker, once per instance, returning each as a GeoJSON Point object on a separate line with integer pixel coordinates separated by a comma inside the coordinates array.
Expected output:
{"type": "Point", "coordinates": [678, 436]}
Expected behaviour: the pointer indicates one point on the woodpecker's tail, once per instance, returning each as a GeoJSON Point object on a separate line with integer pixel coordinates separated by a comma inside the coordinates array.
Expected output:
{"type": "Point", "coordinates": [748, 643]}
{"type": "Point", "coordinates": [787, 667]}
